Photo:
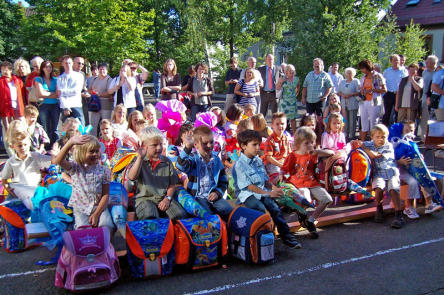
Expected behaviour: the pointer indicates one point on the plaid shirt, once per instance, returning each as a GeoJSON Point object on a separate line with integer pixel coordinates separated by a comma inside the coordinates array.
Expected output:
{"type": "Point", "coordinates": [111, 146]}
{"type": "Point", "coordinates": [385, 166]}
{"type": "Point", "coordinates": [38, 136]}
{"type": "Point", "coordinates": [316, 86]}
{"type": "Point", "coordinates": [276, 147]}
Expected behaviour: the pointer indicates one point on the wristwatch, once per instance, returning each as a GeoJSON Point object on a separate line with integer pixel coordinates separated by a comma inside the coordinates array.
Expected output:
{"type": "Point", "coordinates": [169, 198]}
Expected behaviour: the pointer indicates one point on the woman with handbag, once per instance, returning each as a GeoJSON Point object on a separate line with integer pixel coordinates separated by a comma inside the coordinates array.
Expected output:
{"type": "Point", "coordinates": [372, 88]}
{"type": "Point", "coordinates": [98, 88]}
{"type": "Point", "coordinates": [49, 109]}
{"type": "Point", "coordinates": [200, 88]}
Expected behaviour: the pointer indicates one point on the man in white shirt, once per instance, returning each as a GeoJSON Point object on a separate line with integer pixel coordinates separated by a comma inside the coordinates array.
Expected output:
{"type": "Point", "coordinates": [69, 88]}
{"type": "Point", "coordinates": [335, 76]}
{"type": "Point", "coordinates": [79, 63]}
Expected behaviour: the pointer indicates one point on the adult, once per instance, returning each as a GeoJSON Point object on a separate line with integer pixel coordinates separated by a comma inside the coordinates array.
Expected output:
{"type": "Point", "coordinates": [316, 88]}
{"type": "Point", "coordinates": [269, 73]}
{"type": "Point", "coordinates": [335, 76]}
{"type": "Point", "coordinates": [191, 73]}
{"type": "Point", "coordinates": [372, 87]}
{"type": "Point", "coordinates": [22, 69]}
{"type": "Point", "coordinates": [156, 83]}
{"type": "Point", "coordinates": [123, 87]}
{"type": "Point", "coordinates": [247, 89]}
{"type": "Point", "coordinates": [99, 86]}
{"type": "Point", "coordinates": [427, 75]}
{"type": "Point", "coordinates": [78, 64]}
{"type": "Point", "coordinates": [438, 88]}
{"type": "Point", "coordinates": [170, 80]}
{"type": "Point", "coordinates": [251, 62]}
{"type": "Point", "coordinates": [377, 68]}
{"type": "Point", "coordinates": [140, 79]}
{"type": "Point", "coordinates": [393, 76]}
{"type": "Point", "coordinates": [69, 90]}
{"type": "Point", "coordinates": [200, 88]}
{"type": "Point", "coordinates": [349, 90]}
{"type": "Point", "coordinates": [49, 109]}
{"type": "Point", "coordinates": [402, 59]}
{"type": "Point", "coordinates": [289, 84]}
{"type": "Point", "coordinates": [231, 79]}
{"type": "Point", "coordinates": [11, 96]}
{"type": "Point", "coordinates": [409, 95]}
{"type": "Point", "coordinates": [35, 63]}
{"type": "Point", "coordinates": [94, 74]}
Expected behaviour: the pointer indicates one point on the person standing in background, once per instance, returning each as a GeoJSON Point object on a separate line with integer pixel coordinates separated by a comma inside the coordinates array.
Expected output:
{"type": "Point", "coordinates": [231, 79]}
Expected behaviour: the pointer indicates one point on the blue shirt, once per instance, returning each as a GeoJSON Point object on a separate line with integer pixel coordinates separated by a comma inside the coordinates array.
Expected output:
{"type": "Point", "coordinates": [266, 80]}
{"type": "Point", "coordinates": [385, 166]}
{"type": "Point", "coordinates": [438, 79]}
{"type": "Point", "coordinates": [205, 179]}
{"type": "Point", "coordinates": [50, 88]}
{"type": "Point", "coordinates": [393, 78]}
{"type": "Point", "coordinates": [248, 171]}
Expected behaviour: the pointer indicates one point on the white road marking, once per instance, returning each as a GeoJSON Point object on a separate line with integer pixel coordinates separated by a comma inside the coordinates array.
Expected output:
{"type": "Point", "coordinates": [31, 272]}
{"type": "Point", "coordinates": [313, 269]}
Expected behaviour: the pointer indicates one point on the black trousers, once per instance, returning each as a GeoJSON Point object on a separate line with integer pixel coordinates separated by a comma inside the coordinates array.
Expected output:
{"type": "Point", "coordinates": [389, 105]}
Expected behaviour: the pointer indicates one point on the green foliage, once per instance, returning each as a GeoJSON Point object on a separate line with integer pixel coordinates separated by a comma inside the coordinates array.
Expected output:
{"type": "Point", "coordinates": [11, 16]}
{"type": "Point", "coordinates": [411, 44]}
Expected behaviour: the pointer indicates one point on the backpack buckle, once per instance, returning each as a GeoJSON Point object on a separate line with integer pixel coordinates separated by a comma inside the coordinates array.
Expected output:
{"type": "Point", "coordinates": [152, 256]}
{"type": "Point", "coordinates": [207, 243]}
{"type": "Point", "coordinates": [90, 257]}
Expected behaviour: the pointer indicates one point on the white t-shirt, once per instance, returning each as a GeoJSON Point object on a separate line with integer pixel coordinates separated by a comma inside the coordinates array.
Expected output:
{"type": "Point", "coordinates": [13, 91]}
{"type": "Point", "coordinates": [70, 86]}
{"type": "Point", "coordinates": [27, 171]}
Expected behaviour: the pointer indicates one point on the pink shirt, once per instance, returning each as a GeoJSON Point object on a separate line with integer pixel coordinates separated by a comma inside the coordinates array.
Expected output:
{"type": "Point", "coordinates": [334, 141]}
{"type": "Point", "coordinates": [87, 186]}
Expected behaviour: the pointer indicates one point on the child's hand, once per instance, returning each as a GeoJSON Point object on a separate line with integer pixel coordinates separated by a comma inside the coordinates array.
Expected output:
{"type": "Point", "coordinates": [276, 192]}
{"type": "Point", "coordinates": [188, 141]}
{"type": "Point", "coordinates": [404, 161]}
{"type": "Point", "coordinates": [94, 219]}
{"type": "Point", "coordinates": [164, 204]}
{"type": "Point", "coordinates": [212, 197]}
{"type": "Point", "coordinates": [355, 144]}
{"type": "Point", "coordinates": [79, 139]}
{"type": "Point", "coordinates": [141, 151]}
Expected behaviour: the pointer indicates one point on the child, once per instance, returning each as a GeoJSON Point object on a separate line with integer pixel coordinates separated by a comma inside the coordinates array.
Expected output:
{"type": "Point", "coordinates": [234, 114]}
{"type": "Point", "coordinates": [208, 181]}
{"type": "Point", "coordinates": [24, 167]}
{"type": "Point", "coordinates": [260, 125]}
{"type": "Point", "coordinates": [70, 128]}
{"type": "Point", "coordinates": [107, 138]}
{"type": "Point", "coordinates": [149, 114]}
{"type": "Point", "coordinates": [221, 120]}
{"type": "Point", "coordinates": [155, 178]}
{"type": "Point", "coordinates": [333, 138]}
{"type": "Point", "coordinates": [310, 120]}
{"type": "Point", "coordinates": [385, 172]}
{"type": "Point", "coordinates": [300, 165]}
{"type": "Point", "coordinates": [277, 147]}
{"type": "Point", "coordinates": [253, 188]}
{"type": "Point", "coordinates": [90, 182]}
{"type": "Point", "coordinates": [244, 124]}
{"type": "Point", "coordinates": [118, 119]}
{"type": "Point", "coordinates": [249, 110]}
{"type": "Point", "coordinates": [413, 191]}
{"type": "Point", "coordinates": [36, 132]}
{"type": "Point", "coordinates": [129, 137]}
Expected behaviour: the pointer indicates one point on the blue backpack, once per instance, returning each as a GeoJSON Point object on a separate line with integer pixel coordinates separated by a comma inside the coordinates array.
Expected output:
{"type": "Point", "coordinates": [150, 247]}
{"type": "Point", "coordinates": [14, 217]}
{"type": "Point", "coordinates": [251, 235]}
{"type": "Point", "coordinates": [200, 243]}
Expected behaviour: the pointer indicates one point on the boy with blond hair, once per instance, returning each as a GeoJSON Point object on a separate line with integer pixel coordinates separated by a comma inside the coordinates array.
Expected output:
{"type": "Point", "coordinates": [37, 134]}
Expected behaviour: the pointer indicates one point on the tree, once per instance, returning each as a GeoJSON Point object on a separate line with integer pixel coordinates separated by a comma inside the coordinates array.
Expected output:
{"type": "Point", "coordinates": [11, 16]}
{"type": "Point", "coordinates": [106, 30]}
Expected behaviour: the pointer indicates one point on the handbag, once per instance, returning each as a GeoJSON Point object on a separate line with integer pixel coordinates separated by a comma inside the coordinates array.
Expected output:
{"type": "Point", "coordinates": [33, 95]}
{"type": "Point", "coordinates": [94, 103]}
{"type": "Point", "coordinates": [434, 100]}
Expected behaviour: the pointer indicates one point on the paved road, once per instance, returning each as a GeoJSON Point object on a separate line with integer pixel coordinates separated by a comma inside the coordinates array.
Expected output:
{"type": "Point", "coordinates": [353, 258]}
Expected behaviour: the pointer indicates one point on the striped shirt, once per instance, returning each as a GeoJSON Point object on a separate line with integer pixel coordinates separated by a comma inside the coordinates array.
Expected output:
{"type": "Point", "coordinates": [248, 89]}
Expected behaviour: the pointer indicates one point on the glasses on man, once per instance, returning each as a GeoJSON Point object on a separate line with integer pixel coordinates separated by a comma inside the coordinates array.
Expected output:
{"type": "Point", "coordinates": [133, 68]}
{"type": "Point", "coordinates": [80, 63]}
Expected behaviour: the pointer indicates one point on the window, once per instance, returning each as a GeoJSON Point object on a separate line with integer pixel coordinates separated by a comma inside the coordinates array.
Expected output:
{"type": "Point", "coordinates": [413, 2]}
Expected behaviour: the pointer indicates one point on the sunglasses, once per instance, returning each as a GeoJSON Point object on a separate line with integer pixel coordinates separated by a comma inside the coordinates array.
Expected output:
{"type": "Point", "coordinates": [133, 69]}
{"type": "Point", "coordinates": [80, 63]}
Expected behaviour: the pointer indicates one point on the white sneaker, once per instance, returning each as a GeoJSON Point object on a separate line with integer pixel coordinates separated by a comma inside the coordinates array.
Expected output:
{"type": "Point", "coordinates": [432, 208]}
{"type": "Point", "coordinates": [411, 213]}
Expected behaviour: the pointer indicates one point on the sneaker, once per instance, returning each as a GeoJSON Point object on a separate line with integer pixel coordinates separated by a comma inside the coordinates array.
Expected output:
{"type": "Point", "coordinates": [411, 213]}
{"type": "Point", "coordinates": [291, 241]}
{"type": "Point", "coordinates": [379, 215]}
{"type": "Point", "coordinates": [311, 227]}
{"type": "Point", "coordinates": [399, 220]}
{"type": "Point", "coordinates": [432, 208]}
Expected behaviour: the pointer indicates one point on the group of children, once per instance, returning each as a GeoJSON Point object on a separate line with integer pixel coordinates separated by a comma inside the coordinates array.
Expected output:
{"type": "Point", "coordinates": [259, 159]}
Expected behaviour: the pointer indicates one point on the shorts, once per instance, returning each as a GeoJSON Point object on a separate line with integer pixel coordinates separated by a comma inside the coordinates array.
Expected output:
{"type": "Point", "coordinates": [390, 184]}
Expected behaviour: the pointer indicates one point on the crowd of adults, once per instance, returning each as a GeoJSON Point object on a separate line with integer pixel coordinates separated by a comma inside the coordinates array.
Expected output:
{"type": "Point", "coordinates": [400, 92]}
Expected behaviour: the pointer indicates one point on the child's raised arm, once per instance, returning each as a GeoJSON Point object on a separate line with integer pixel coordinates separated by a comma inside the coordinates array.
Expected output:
{"type": "Point", "coordinates": [59, 159]}
{"type": "Point", "coordinates": [324, 153]}
{"type": "Point", "coordinates": [135, 169]}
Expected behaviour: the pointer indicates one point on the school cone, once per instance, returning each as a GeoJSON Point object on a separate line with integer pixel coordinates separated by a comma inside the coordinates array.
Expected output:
{"type": "Point", "coordinates": [353, 186]}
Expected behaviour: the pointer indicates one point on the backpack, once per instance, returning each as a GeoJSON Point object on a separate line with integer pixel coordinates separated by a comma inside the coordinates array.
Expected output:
{"type": "Point", "coordinates": [14, 215]}
{"type": "Point", "coordinates": [359, 171]}
{"type": "Point", "coordinates": [88, 260]}
{"type": "Point", "coordinates": [332, 173]}
{"type": "Point", "coordinates": [251, 235]}
{"type": "Point", "coordinates": [150, 247]}
{"type": "Point", "coordinates": [200, 243]}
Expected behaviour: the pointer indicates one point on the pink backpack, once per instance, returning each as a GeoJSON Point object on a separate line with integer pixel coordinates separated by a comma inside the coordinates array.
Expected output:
{"type": "Point", "coordinates": [88, 260]}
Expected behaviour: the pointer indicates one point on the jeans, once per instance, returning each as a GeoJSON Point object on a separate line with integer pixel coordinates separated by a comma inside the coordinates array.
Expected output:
{"type": "Point", "coordinates": [129, 111]}
{"type": "Point", "coordinates": [267, 203]}
{"type": "Point", "coordinates": [75, 113]}
{"type": "Point", "coordinates": [49, 116]}
{"type": "Point", "coordinates": [197, 108]}
{"type": "Point", "coordinates": [221, 206]}
{"type": "Point", "coordinates": [351, 122]}
{"type": "Point", "coordinates": [156, 91]}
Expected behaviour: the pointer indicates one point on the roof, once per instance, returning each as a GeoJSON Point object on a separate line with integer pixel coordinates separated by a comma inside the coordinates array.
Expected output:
{"type": "Point", "coordinates": [424, 12]}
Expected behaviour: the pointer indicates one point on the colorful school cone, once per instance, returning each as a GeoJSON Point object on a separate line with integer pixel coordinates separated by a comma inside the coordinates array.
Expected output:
{"type": "Point", "coordinates": [190, 204]}
{"type": "Point", "coordinates": [119, 216]}
{"type": "Point", "coordinates": [290, 191]}
{"type": "Point", "coordinates": [353, 186]}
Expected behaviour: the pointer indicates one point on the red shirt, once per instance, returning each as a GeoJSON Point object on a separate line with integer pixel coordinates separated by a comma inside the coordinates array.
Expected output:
{"type": "Point", "coordinates": [276, 147]}
{"type": "Point", "coordinates": [110, 146]}
{"type": "Point", "coordinates": [301, 169]}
